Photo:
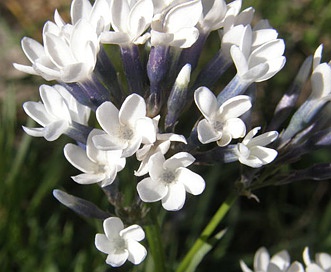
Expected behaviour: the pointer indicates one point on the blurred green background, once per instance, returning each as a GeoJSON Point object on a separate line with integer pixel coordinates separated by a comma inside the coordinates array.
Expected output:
{"type": "Point", "coordinates": [39, 234]}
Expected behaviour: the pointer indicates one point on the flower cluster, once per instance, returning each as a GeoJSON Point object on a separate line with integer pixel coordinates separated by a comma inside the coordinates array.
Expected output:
{"type": "Point", "coordinates": [280, 262]}
{"type": "Point", "coordinates": [138, 118]}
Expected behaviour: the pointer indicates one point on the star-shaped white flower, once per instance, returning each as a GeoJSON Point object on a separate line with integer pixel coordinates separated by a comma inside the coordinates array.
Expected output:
{"type": "Point", "coordinates": [126, 128]}
{"type": "Point", "coordinates": [221, 123]}
{"type": "Point", "coordinates": [99, 166]}
{"type": "Point", "coordinates": [280, 262]}
{"type": "Point", "coordinates": [162, 144]}
{"type": "Point", "coordinates": [176, 26]}
{"type": "Point", "coordinates": [129, 19]}
{"type": "Point", "coordinates": [56, 113]}
{"type": "Point", "coordinates": [322, 262]}
{"type": "Point", "coordinates": [170, 180]}
{"type": "Point", "coordinates": [252, 151]}
{"type": "Point", "coordinates": [121, 243]}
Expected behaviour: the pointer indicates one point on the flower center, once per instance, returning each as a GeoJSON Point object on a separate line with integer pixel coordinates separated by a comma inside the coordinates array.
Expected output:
{"type": "Point", "coordinates": [218, 125]}
{"type": "Point", "coordinates": [126, 133]}
{"type": "Point", "coordinates": [119, 244]}
{"type": "Point", "coordinates": [168, 176]}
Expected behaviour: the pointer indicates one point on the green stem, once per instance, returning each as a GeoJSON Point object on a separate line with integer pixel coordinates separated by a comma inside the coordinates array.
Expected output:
{"type": "Point", "coordinates": [208, 231]}
{"type": "Point", "coordinates": [154, 239]}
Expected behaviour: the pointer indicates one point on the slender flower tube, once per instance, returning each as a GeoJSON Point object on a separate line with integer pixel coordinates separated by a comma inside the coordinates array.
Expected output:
{"type": "Point", "coordinates": [121, 243]}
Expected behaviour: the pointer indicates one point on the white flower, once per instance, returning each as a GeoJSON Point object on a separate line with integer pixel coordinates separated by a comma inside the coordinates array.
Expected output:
{"type": "Point", "coordinates": [279, 262]}
{"type": "Point", "coordinates": [99, 166]}
{"type": "Point", "coordinates": [129, 19]}
{"type": "Point", "coordinates": [176, 26]}
{"type": "Point", "coordinates": [221, 123]}
{"type": "Point", "coordinates": [252, 151]}
{"type": "Point", "coordinates": [56, 113]}
{"type": "Point", "coordinates": [121, 243]}
{"type": "Point", "coordinates": [126, 128]}
{"type": "Point", "coordinates": [322, 262]}
{"type": "Point", "coordinates": [213, 13]}
{"type": "Point", "coordinates": [162, 144]}
{"type": "Point", "coordinates": [170, 180]}
{"type": "Point", "coordinates": [260, 64]}
{"type": "Point", "coordinates": [70, 51]}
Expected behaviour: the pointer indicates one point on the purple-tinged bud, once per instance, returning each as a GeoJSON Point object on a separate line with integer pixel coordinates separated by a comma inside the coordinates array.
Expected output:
{"type": "Point", "coordinates": [177, 98]}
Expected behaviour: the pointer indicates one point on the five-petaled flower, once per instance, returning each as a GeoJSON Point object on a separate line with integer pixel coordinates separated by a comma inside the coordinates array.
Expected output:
{"type": "Point", "coordinates": [121, 243]}
{"type": "Point", "coordinates": [126, 128]}
{"type": "Point", "coordinates": [221, 123]}
{"type": "Point", "coordinates": [170, 180]}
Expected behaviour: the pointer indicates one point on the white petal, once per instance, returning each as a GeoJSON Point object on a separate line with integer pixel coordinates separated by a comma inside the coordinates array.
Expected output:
{"type": "Point", "coordinates": [58, 50]}
{"type": "Point", "coordinates": [269, 50]}
{"type": "Point", "coordinates": [314, 268]}
{"type": "Point", "coordinates": [156, 165]}
{"type": "Point", "coordinates": [175, 198]}
{"type": "Point", "coordinates": [79, 9]}
{"type": "Point", "coordinates": [34, 132]}
{"type": "Point", "coordinates": [47, 72]}
{"type": "Point", "coordinates": [185, 37]}
{"type": "Point", "coordinates": [320, 80]}
{"type": "Point", "coordinates": [78, 158]}
{"type": "Point", "coordinates": [324, 260]}
{"type": "Point", "coordinates": [112, 227]}
{"type": "Point", "coordinates": [250, 135]}
{"type": "Point", "coordinates": [134, 232]}
{"type": "Point", "coordinates": [76, 72]}
{"type": "Point", "coordinates": [171, 137]}
{"type": "Point", "coordinates": [54, 130]}
{"type": "Point", "coordinates": [235, 127]}
{"type": "Point", "coordinates": [107, 142]}
{"type": "Point", "coordinates": [194, 183]}
{"type": "Point", "coordinates": [251, 161]}
{"type": "Point", "coordinates": [226, 138]}
{"type": "Point", "coordinates": [112, 37]}
{"type": "Point", "coordinates": [32, 49]}
{"type": "Point", "coordinates": [239, 60]}
{"type": "Point", "coordinates": [117, 258]}
{"type": "Point", "coordinates": [133, 108]}
{"type": "Point", "coordinates": [102, 243]}
{"type": "Point", "coordinates": [256, 73]}
{"type": "Point", "coordinates": [274, 66]}
{"type": "Point", "coordinates": [151, 191]}
{"type": "Point", "coordinates": [264, 139]}
{"type": "Point", "coordinates": [146, 129]}
{"type": "Point", "coordinates": [262, 36]}
{"type": "Point", "coordinates": [85, 179]}
{"type": "Point", "coordinates": [235, 106]}
{"type": "Point", "coordinates": [273, 268]}
{"type": "Point", "coordinates": [244, 267]}
{"type": "Point", "coordinates": [119, 15]}
{"type": "Point", "coordinates": [138, 21]}
{"type": "Point", "coordinates": [181, 159]}
{"type": "Point", "coordinates": [54, 103]}
{"type": "Point", "coordinates": [296, 267]}
{"type": "Point", "coordinates": [281, 259]}
{"type": "Point", "coordinates": [261, 259]}
{"type": "Point", "coordinates": [207, 133]}
{"type": "Point", "coordinates": [182, 16]}
{"type": "Point", "coordinates": [206, 102]}
{"type": "Point", "coordinates": [37, 112]}
{"type": "Point", "coordinates": [317, 56]}
{"type": "Point", "coordinates": [137, 252]}
{"type": "Point", "coordinates": [131, 147]}
{"type": "Point", "coordinates": [25, 69]}
{"type": "Point", "coordinates": [107, 116]}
